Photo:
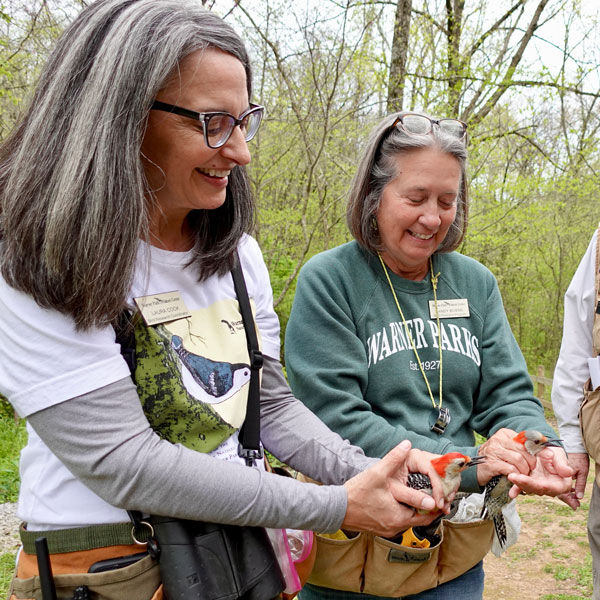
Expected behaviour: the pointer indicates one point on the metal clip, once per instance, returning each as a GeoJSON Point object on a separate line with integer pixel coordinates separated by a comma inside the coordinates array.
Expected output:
{"type": "Point", "coordinates": [443, 418]}
{"type": "Point", "coordinates": [250, 455]}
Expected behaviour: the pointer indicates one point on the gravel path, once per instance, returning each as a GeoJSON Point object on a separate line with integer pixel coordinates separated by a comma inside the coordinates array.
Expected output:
{"type": "Point", "coordinates": [9, 528]}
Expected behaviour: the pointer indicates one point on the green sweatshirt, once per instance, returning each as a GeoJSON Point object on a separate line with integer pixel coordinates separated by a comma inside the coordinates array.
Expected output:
{"type": "Point", "coordinates": [348, 358]}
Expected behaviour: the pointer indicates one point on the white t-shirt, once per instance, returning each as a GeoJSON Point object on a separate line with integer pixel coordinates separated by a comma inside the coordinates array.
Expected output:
{"type": "Point", "coordinates": [44, 361]}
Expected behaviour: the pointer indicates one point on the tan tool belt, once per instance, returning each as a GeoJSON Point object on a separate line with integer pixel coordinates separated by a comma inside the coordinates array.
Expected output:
{"type": "Point", "coordinates": [375, 565]}
{"type": "Point", "coordinates": [139, 581]}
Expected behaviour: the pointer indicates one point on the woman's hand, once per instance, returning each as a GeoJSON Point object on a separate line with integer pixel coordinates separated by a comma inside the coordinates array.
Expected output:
{"type": "Point", "coordinates": [380, 502]}
{"type": "Point", "coordinates": [551, 476]}
{"type": "Point", "coordinates": [419, 461]}
{"type": "Point", "coordinates": [504, 456]}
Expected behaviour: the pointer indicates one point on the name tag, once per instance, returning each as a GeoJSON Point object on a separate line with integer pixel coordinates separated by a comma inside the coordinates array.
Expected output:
{"type": "Point", "coordinates": [450, 309]}
{"type": "Point", "coordinates": [162, 308]}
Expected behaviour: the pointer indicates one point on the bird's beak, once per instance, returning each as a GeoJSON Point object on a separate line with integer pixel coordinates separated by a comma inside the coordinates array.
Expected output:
{"type": "Point", "coordinates": [552, 442]}
{"type": "Point", "coordinates": [476, 460]}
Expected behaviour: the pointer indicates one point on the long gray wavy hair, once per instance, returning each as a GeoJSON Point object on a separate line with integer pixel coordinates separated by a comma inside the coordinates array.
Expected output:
{"type": "Point", "coordinates": [74, 200]}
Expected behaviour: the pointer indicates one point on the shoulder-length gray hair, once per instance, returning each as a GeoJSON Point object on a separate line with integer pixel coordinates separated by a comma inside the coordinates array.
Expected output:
{"type": "Point", "coordinates": [74, 199]}
{"type": "Point", "coordinates": [377, 168]}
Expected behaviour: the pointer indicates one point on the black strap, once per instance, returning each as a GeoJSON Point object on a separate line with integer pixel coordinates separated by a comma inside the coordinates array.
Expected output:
{"type": "Point", "coordinates": [249, 447]}
{"type": "Point", "coordinates": [45, 569]}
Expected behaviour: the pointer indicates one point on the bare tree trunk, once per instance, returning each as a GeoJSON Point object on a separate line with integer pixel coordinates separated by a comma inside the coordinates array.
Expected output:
{"type": "Point", "coordinates": [454, 18]}
{"type": "Point", "coordinates": [397, 75]}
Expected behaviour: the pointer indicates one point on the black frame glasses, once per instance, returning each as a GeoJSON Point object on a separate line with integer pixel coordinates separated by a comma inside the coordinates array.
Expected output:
{"type": "Point", "coordinates": [417, 124]}
{"type": "Point", "coordinates": [217, 127]}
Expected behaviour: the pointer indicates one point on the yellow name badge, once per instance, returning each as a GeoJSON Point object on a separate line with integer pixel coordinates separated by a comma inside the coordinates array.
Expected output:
{"type": "Point", "coordinates": [162, 308]}
{"type": "Point", "coordinates": [450, 309]}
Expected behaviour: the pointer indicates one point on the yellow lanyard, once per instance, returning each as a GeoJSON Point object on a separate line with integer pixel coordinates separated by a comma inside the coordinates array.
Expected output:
{"type": "Point", "coordinates": [434, 282]}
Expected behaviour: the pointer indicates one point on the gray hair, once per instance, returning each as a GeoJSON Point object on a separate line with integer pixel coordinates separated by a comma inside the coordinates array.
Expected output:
{"type": "Point", "coordinates": [377, 168]}
{"type": "Point", "coordinates": [74, 199]}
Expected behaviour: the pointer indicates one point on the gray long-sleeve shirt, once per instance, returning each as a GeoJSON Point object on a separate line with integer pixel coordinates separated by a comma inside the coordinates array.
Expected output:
{"type": "Point", "coordinates": [110, 447]}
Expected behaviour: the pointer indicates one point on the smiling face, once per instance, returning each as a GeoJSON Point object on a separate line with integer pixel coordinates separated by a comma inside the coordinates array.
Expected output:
{"type": "Point", "coordinates": [416, 210]}
{"type": "Point", "coordinates": [183, 171]}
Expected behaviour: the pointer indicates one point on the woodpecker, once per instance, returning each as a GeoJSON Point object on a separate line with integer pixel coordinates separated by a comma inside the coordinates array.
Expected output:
{"type": "Point", "coordinates": [448, 467]}
{"type": "Point", "coordinates": [495, 494]}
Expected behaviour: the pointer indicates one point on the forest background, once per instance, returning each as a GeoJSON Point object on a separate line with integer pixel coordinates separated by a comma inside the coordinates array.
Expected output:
{"type": "Point", "coordinates": [524, 75]}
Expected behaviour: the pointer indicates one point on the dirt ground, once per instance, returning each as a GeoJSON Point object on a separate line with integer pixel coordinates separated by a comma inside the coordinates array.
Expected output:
{"type": "Point", "coordinates": [551, 557]}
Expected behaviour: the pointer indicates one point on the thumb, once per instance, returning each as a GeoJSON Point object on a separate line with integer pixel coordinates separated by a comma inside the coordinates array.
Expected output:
{"type": "Point", "coordinates": [395, 458]}
{"type": "Point", "coordinates": [514, 491]}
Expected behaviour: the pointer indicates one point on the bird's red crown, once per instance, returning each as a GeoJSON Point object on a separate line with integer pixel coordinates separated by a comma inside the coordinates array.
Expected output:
{"type": "Point", "coordinates": [521, 438]}
{"type": "Point", "coordinates": [440, 464]}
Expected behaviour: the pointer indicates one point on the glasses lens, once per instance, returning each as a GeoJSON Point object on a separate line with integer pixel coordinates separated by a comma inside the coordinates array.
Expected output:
{"type": "Point", "coordinates": [453, 127]}
{"type": "Point", "coordinates": [416, 124]}
{"type": "Point", "coordinates": [251, 123]}
{"type": "Point", "coordinates": [218, 129]}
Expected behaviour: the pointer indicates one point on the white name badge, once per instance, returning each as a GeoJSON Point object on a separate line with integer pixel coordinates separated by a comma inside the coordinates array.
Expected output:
{"type": "Point", "coordinates": [450, 309]}
{"type": "Point", "coordinates": [161, 308]}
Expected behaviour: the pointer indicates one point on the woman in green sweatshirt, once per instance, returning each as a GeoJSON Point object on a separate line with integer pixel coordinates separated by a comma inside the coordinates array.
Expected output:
{"type": "Point", "coordinates": [396, 336]}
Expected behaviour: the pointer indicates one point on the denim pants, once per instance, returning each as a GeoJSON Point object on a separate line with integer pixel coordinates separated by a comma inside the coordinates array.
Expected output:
{"type": "Point", "coordinates": [468, 586]}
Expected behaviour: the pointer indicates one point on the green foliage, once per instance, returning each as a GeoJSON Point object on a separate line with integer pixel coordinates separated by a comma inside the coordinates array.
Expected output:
{"type": "Point", "coordinates": [479, 439]}
{"type": "Point", "coordinates": [7, 569]}
{"type": "Point", "coordinates": [531, 222]}
{"type": "Point", "coordinates": [562, 510]}
{"type": "Point", "coordinates": [323, 74]}
{"type": "Point", "coordinates": [28, 30]}
{"type": "Point", "coordinates": [6, 409]}
{"type": "Point", "coordinates": [533, 154]}
{"type": "Point", "coordinates": [12, 438]}
{"type": "Point", "coordinates": [581, 574]}
{"type": "Point", "coordinates": [319, 83]}
{"type": "Point", "coordinates": [533, 159]}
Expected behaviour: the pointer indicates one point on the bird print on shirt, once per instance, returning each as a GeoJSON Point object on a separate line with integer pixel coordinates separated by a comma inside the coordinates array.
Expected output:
{"type": "Point", "coordinates": [208, 380]}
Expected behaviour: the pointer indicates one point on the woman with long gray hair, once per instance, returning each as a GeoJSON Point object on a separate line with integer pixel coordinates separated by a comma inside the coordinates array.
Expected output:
{"type": "Point", "coordinates": [124, 205]}
{"type": "Point", "coordinates": [395, 335]}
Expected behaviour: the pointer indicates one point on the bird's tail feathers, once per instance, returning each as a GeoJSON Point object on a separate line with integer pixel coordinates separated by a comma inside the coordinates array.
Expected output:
{"type": "Point", "coordinates": [500, 527]}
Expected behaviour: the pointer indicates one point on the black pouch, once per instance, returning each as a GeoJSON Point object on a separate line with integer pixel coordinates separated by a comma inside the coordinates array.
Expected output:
{"type": "Point", "coordinates": [210, 561]}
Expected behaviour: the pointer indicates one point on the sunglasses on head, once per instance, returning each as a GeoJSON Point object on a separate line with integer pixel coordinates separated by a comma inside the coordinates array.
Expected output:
{"type": "Point", "coordinates": [416, 124]}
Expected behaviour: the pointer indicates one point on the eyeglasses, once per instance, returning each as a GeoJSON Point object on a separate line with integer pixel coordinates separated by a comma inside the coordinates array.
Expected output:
{"type": "Point", "coordinates": [415, 124]}
{"type": "Point", "coordinates": [218, 126]}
